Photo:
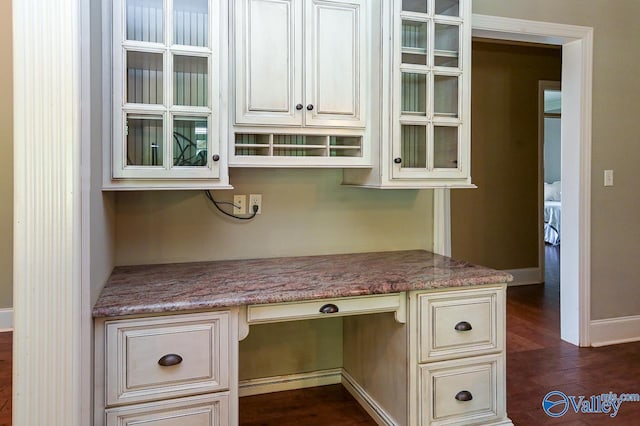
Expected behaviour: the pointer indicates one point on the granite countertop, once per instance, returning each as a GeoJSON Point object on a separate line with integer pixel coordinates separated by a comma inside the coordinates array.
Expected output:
{"type": "Point", "coordinates": [176, 287]}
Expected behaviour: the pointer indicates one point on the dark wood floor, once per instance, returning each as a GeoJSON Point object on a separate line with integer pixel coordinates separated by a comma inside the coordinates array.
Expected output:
{"type": "Point", "coordinates": [325, 405]}
{"type": "Point", "coordinates": [537, 362]}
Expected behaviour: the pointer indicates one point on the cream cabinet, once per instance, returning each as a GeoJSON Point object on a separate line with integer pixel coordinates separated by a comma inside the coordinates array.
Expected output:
{"type": "Point", "coordinates": [171, 369]}
{"type": "Point", "coordinates": [462, 392]}
{"type": "Point", "coordinates": [457, 358]}
{"type": "Point", "coordinates": [428, 357]}
{"type": "Point", "coordinates": [168, 68]}
{"type": "Point", "coordinates": [194, 411]}
{"type": "Point", "coordinates": [424, 141]}
{"type": "Point", "coordinates": [300, 62]}
{"type": "Point", "coordinates": [301, 82]}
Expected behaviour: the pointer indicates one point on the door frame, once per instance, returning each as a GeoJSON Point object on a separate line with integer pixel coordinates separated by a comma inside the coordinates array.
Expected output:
{"type": "Point", "coordinates": [577, 69]}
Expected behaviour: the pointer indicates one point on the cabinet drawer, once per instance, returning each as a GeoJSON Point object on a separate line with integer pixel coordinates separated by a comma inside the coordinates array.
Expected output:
{"type": "Point", "coordinates": [195, 411]}
{"type": "Point", "coordinates": [462, 392]}
{"type": "Point", "coordinates": [275, 312]}
{"type": "Point", "coordinates": [165, 357]}
{"type": "Point", "coordinates": [460, 323]}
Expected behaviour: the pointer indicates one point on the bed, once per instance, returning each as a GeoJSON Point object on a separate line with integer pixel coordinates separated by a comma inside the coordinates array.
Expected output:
{"type": "Point", "coordinates": [552, 213]}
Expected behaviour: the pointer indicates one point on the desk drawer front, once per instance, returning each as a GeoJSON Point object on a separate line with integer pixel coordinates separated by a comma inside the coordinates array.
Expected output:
{"type": "Point", "coordinates": [462, 392]}
{"type": "Point", "coordinates": [153, 358]}
{"type": "Point", "coordinates": [312, 309]}
{"type": "Point", "coordinates": [458, 324]}
{"type": "Point", "coordinates": [195, 411]}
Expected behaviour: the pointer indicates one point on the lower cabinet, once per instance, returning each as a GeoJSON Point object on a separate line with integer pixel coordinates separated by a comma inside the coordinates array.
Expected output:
{"type": "Point", "coordinates": [468, 391]}
{"type": "Point", "coordinates": [439, 362]}
{"type": "Point", "coordinates": [167, 370]}
{"type": "Point", "coordinates": [457, 340]}
{"type": "Point", "coordinates": [204, 410]}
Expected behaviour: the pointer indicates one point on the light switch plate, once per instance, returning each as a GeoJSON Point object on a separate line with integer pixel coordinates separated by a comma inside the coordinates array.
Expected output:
{"type": "Point", "coordinates": [608, 178]}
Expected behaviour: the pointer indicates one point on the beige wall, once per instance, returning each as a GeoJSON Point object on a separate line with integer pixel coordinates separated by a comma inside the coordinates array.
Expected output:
{"type": "Point", "coordinates": [6, 156]}
{"type": "Point", "coordinates": [305, 212]}
{"type": "Point", "coordinates": [496, 225]}
{"type": "Point", "coordinates": [615, 222]}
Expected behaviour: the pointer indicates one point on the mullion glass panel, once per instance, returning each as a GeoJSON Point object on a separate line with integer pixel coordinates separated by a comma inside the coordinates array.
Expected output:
{"type": "Point", "coordinates": [448, 7]}
{"type": "Point", "coordinates": [144, 134]}
{"type": "Point", "coordinates": [190, 80]}
{"type": "Point", "coordinates": [447, 45]}
{"type": "Point", "coordinates": [414, 94]}
{"type": "Point", "coordinates": [445, 147]}
{"type": "Point", "coordinates": [190, 141]}
{"type": "Point", "coordinates": [144, 78]}
{"type": "Point", "coordinates": [191, 22]}
{"type": "Point", "coordinates": [419, 6]}
{"type": "Point", "coordinates": [414, 146]}
{"type": "Point", "coordinates": [145, 20]}
{"type": "Point", "coordinates": [445, 99]}
{"type": "Point", "coordinates": [414, 42]}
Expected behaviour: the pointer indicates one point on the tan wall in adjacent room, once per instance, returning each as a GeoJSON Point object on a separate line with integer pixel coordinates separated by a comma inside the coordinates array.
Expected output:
{"type": "Point", "coordinates": [6, 156]}
{"type": "Point", "coordinates": [497, 224]}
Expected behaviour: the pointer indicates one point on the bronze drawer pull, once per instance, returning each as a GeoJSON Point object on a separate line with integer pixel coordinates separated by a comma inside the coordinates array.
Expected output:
{"type": "Point", "coordinates": [329, 308]}
{"type": "Point", "coordinates": [170, 359]}
{"type": "Point", "coordinates": [464, 396]}
{"type": "Point", "coordinates": [463, 326]}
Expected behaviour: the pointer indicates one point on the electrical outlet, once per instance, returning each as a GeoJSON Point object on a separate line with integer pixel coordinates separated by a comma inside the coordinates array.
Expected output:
{"type": "Point", "coordinates": [255, 200]}
{"type": "Point", "coordinates": [239, 204]}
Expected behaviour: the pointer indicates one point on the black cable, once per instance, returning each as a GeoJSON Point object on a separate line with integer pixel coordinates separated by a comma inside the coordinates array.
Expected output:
{"type": "Point", "coordinates": [216, 203]}
{"type": "Point", "coordinates": [197, 159]}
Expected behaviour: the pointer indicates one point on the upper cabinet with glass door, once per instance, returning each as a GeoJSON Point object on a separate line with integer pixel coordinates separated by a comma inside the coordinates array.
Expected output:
{"type": "Point", "coordinates": [427, 69]}
{"type": "Point", "coordinates": [430, 129]}
{"type": "Point", "coordinates": [168, 63]}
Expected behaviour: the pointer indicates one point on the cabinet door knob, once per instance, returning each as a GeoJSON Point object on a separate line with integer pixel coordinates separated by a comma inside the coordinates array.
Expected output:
{"type": "Point", "coordinates": [329, 308]}
{"type": "Point", "coordinates": [464, 396]}
{"type": "Point", "coordinates": [169, 360]}
{"type": "Point", "coordinates": [310, 107]}
{"type": "Point", "coordinates": [463, 326]}
{"type": "Point", "coordinates": [215, 157]}
{"type": "Point", "coordinates": [299, 107]}
{"type": "Point", "coordinates": [397, 160]}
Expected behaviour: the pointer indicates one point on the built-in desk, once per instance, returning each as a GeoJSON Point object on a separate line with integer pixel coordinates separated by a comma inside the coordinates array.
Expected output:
{"type": "Point", "coordinates": [423, 335]}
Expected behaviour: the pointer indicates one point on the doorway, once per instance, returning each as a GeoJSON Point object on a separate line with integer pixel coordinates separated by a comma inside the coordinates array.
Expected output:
{"type": "Point", "coordinates": [550, 172]}
{"type": "Point", "coordinates": [577, 58]}
{"type": "Point", "coordinates": [550, 144]}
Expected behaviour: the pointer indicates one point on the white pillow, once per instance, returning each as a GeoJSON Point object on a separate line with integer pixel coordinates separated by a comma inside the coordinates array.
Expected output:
{"type": "Point", "coordinates": [552, 191]}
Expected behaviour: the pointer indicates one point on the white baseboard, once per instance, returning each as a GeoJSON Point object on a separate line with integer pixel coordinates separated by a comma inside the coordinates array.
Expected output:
{"type": "Point", "coordinates": [6, 319]}
{"type": "Point", "coordinates": [526, 276]}
{"type": "Point", "coordinates": [615, 330]}
{"type": "Point", "coordinates": [377, 413]}
{"type": "Point", "coordinates": [289, 382]}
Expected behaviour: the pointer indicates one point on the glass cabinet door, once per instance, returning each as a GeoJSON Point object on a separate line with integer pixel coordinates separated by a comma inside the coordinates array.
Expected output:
{"type": "Point", "coordinates": [169, 62]}
{"type": "Point", "coordinates": [429, 134]}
